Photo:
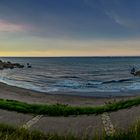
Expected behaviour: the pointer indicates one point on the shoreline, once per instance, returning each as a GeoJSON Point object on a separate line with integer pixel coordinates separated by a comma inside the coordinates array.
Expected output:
{"type": "Point", "coordinates": [30, 96]}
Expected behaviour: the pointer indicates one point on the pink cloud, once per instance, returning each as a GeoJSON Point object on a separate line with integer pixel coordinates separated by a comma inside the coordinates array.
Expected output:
{"type": "Point", "coordinates": [6, 26]}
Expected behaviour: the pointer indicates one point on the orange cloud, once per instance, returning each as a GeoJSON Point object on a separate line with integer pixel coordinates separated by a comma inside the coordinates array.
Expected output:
{"type": "Point", "coordinates": [6, 26]}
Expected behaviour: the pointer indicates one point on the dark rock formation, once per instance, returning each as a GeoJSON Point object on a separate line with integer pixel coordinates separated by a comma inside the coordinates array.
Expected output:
{"type": "Point", "coordinates": [9, 65]}
{"type": "Point", "coordinates": [137, 73]}
{"type": "Point", "coordinates": [28, 65]}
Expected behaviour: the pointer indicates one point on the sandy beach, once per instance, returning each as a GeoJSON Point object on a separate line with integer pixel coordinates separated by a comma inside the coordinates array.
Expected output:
{"type": "Point", "coordinates": [29, 96]}
{"type": "Point", "coordinates": [61, 125]}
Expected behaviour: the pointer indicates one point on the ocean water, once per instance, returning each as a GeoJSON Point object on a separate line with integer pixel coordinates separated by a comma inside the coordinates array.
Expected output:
{"type": "Point", "coordinates": [86, 76]}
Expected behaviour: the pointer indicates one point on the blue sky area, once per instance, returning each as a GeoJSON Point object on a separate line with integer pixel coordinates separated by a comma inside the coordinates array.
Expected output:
{"type": "Point", "coordinates": [69, 27]}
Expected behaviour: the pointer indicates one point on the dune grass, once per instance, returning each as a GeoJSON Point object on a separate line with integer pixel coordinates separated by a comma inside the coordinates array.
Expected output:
{"type": "Point", "coordinates": [12, 133]}
{"type": "Point", "coordinates": [65, 110]}
{"type": "Point", "coordinates": [133, 133]}
{"type": "Point", "coordinates": [8, 132]}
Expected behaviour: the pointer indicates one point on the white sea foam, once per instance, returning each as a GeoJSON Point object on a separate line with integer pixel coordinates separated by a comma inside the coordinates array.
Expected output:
{"type": "Point", "coordinates": [68, 83]}
{"type": "Point", "coordinates": [134, 86]}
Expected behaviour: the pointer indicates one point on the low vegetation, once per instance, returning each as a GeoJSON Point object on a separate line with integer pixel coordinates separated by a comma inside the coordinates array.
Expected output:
{"type": "Point", "coordinates": [133, 133]}
{"type": "Point", "coordinates": [65, 110]}
{"type": "Point", "coordinates": [12, 133]}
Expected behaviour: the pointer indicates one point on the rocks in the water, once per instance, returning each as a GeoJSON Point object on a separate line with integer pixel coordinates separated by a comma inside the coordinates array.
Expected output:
{"type": "Point", "coordinates": [17, 65]}
{"type": "Point", "coordinates": [9, 65]}
{"type": "Point", "coordinates": [28, 65]}
{"type": "Point", "coordinates": [137, 73]}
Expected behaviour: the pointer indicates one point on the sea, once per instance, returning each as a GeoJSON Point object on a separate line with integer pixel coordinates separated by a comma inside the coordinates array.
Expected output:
{"type": "Point", "coordinates": [82, 76]}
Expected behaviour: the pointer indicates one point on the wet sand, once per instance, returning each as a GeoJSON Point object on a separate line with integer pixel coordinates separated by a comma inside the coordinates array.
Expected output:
{"type": "Point", "coordinates": [29, 96]}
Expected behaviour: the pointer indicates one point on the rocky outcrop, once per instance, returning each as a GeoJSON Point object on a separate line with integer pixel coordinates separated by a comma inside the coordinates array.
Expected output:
{"type": "Point", "coordinates": [9, 65]}
{"type": "Point", "coordinates": [137, 73]}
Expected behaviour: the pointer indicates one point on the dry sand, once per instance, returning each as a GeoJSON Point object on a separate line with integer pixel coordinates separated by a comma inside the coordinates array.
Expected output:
{"type": "Point", "coordinates": [29, 96]}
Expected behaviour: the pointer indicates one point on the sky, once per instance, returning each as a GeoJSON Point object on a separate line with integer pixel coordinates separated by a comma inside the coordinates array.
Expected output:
{"type": "Point", "coordinates": [69, 27]}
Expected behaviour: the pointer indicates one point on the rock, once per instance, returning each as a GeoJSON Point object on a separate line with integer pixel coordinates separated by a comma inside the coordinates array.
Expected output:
{"type": "Point", "coordinates": [9, 65]}
{"type": "Point", "coordinates": [17, 65]}
{"type": "Point", "coordinates": [28, 65]}
{"type": "Point", "coordinates": [137, 73]}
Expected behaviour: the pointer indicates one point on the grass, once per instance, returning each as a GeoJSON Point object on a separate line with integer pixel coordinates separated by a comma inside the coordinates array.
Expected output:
{"type": "Point", "coordinates": [65, 110]}
{"type": "Point", "coordinates": [133, 133]}
{"type": "Point", "coordinates": [8, 132]}
{"type": "Point", "coordinates": [12, 133]}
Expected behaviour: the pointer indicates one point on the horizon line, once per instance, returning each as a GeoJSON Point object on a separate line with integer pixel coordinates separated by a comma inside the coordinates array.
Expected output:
{"type": "Point", "coordinates": [72, 56]}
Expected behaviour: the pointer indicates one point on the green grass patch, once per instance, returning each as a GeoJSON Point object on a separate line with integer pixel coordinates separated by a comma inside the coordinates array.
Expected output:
{"type": "Point", "coordinates": [65, 110]}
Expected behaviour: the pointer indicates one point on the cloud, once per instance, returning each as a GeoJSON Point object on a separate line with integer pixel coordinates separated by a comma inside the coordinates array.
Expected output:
{"type": "Point", "coordinates": [123, 20]}
{"type": "Point", "coordinates": [6, 26]}
{"type": "Point", "coordinates": [115, 17]}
